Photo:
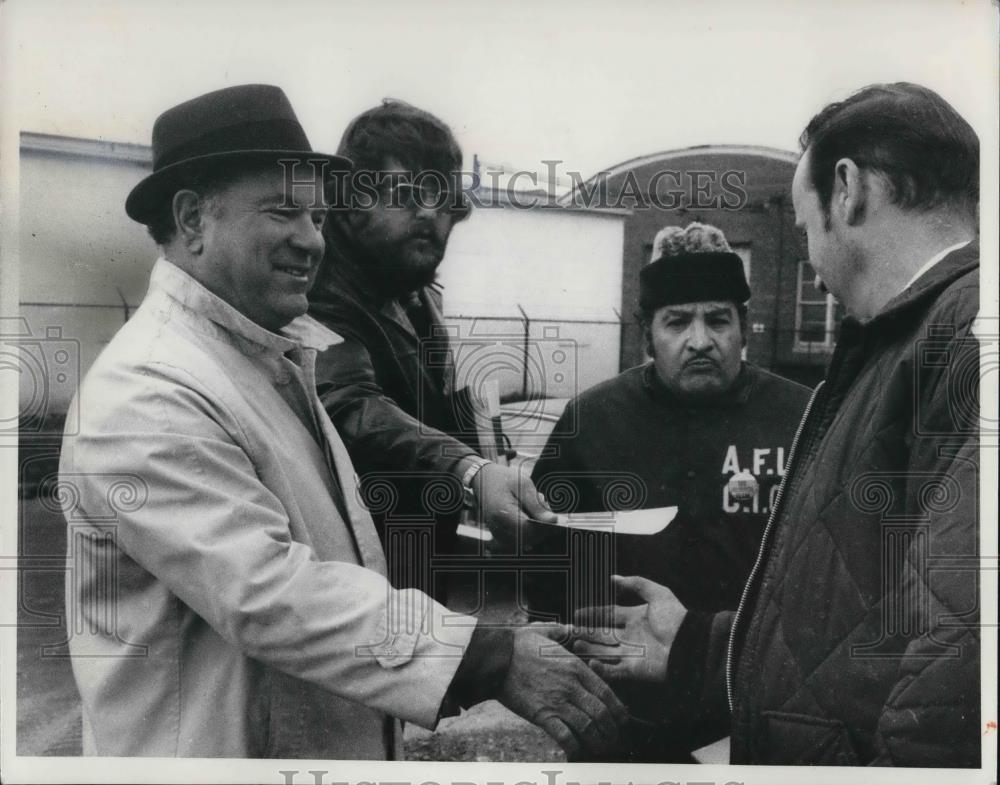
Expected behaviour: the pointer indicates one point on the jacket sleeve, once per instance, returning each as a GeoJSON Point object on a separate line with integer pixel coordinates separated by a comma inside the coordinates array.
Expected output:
{"type": "Point", "coordinates": [210, 530]}
{"type": "Point", "coordinates": [377, 432]}
{"type": "Point", "coordinates": [932, 715]}
{"type": "Point", "coordinates": [695, 689]}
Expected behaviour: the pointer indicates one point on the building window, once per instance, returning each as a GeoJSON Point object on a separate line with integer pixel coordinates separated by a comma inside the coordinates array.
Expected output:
{"type": "Point", "coordinates": [742, 250]}
{"type": "Point", "coordinates": [816, 314]}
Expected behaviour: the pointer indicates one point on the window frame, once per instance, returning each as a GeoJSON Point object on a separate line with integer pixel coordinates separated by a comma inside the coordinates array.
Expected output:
{"type": "Point", "coordinates": [828, 342]}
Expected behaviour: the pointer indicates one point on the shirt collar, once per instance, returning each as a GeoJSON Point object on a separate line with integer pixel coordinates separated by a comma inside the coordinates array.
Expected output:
{"type": "Point", "coordinates": [934, 260]}
{"type": "Point", "coordinates": [301, 332]}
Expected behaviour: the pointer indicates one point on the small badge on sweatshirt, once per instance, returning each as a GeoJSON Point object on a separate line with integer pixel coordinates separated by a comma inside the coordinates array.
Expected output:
{"type": "Point", "coordinates": [742, 486]}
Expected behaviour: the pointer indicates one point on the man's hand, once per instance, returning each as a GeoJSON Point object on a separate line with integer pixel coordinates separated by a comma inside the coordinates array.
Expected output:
{"type": "Point", "coordinates": [506, 497]}
{"type": "Point", "coordinates": [550, 687]}
{"type": "Point", "coordinates": [553, 630]}
{"type": "Point", "coordinates": [637, 644]}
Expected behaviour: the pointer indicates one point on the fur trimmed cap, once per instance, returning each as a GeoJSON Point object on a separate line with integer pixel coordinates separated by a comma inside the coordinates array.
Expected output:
{"type": "Point", "coordinates": [689, 265]}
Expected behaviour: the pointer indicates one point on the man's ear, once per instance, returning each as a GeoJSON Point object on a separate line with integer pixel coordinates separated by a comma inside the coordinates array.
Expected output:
{"type": "Point", "coordinates": [850, 192]}
{"type": "Point", "coordinates": [189, 218]}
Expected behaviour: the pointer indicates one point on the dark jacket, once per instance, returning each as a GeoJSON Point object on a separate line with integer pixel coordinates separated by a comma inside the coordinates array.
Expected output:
{"type": "Point", "coordinates": [389, 391]}
{"type": "Point", "coordinates": [629, 443]}
{"type": "Point", "coordinates": [858, 640]}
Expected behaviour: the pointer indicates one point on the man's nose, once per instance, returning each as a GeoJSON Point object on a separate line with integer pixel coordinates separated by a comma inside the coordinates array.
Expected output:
{"type": "Point", "coordinates": [424, 210]}
{"type": "Point", "coordinates": [307, 236]}
{"type": "Point", "coordinates": [698, 338]}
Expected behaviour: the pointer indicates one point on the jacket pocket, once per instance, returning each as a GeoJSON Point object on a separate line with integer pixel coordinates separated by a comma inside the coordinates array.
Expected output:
{"type": "Point", "coordinates": [793, 739]}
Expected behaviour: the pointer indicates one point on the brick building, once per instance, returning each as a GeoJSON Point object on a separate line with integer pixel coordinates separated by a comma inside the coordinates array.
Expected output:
{"type": "Point", "coordinates": [745, 191]}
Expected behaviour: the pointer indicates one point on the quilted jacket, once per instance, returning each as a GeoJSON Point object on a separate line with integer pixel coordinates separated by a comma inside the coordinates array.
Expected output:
{"type": "Point", "coordinates": [857, 639]}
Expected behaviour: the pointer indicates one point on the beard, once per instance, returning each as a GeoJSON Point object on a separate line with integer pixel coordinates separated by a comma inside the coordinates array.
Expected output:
{"type": "Point", "coordinates": [400, 270]}
{"type": "Point", "coordinates": [399, 265]}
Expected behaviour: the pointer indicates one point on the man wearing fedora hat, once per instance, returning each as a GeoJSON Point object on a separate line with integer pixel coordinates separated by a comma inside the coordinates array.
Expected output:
{"type": "Point", "coordinates": [697, 428]}
{"type": "Point", "coordinates": [229, 590]}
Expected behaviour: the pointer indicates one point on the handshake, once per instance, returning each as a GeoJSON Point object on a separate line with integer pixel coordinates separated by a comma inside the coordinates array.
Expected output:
{"type": "Point", "coordinates": [557, 673]}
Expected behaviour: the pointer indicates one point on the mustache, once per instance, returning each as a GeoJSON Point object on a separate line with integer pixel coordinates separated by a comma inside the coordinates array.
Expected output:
{"type": "Point", "coordinates": [698, 358]}
{"type": "Point", "coordinates": [430, 238]}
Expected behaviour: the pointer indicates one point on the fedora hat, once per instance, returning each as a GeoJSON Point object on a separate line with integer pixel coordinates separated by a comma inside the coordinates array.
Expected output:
{"type": "Point", "coordinates": [255, 122]}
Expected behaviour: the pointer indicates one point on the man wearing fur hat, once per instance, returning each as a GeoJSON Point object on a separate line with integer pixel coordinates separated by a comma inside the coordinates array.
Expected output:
{"type": "Point", "coordinates": [695, 428]}
{"type": "Point", "coordinates": [228, 589]}
{"type": "Point", "coordinates": [858, 638]}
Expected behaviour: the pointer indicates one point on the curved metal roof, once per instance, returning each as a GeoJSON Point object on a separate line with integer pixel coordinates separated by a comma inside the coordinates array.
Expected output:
{"type": "Point", "coordinates": [760, 151]}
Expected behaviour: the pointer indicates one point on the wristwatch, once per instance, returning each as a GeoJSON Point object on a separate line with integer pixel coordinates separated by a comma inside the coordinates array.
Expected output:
{"type": "Point", "coordinates": [468, 495]}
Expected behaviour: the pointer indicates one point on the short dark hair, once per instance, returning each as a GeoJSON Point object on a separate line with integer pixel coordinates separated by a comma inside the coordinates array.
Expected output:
{"type": "Point", "coordinates": [418, 140]}
{"type": "Point", "coordinates": [206, 181]}
{"type": "Point", "coordinates": [396, 129]}
{"type": "Point", "coordinates": [910, 135]}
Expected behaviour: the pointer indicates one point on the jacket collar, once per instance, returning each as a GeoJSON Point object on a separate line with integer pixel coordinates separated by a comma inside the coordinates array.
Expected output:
{"type": "Point", "coordinates": [302, 332]}
{"type": "Point", "coordinates": [343, 275]}
{"type": "Point", "coordinates": [929, 285]}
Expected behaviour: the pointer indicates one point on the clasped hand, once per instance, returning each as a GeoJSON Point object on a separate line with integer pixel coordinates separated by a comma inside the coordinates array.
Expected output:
{"type": "Point", "coordinates": [555, 690]}
{"type": "Point", "coordinates": [629, 642]}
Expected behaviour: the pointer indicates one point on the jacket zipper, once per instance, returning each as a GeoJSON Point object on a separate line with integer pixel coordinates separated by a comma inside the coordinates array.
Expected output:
{"type": "Point", "coordinates": [730, 651]}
